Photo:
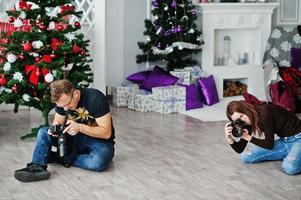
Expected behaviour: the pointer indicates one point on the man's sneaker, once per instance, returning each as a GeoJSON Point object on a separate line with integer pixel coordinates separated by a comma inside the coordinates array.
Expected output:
{"type": "Point", "coordinates": [33, 172]}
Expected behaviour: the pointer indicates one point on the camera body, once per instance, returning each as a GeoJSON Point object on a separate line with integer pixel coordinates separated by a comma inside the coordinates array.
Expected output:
{"type": "Point", "coordinates": [62, 141]}
{"type": "Point", "coordinates": [239, 126]}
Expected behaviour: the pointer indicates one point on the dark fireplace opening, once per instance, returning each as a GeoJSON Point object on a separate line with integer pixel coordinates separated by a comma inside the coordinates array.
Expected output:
{"type": "Point", "coordinates": [234, 87]}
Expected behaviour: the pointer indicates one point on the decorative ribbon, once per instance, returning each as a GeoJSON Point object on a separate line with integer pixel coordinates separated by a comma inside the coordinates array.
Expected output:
{"type": "Point", "coordinates": [35, 73]}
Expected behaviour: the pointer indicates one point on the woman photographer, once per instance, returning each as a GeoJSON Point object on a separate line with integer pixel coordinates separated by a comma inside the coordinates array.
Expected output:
{"type": "Point", "coordinates": [265, 121]}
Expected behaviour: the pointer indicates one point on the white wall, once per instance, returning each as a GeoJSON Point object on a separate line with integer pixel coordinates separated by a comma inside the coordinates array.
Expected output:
{"type": "Point", "coordinates": [125, 27]}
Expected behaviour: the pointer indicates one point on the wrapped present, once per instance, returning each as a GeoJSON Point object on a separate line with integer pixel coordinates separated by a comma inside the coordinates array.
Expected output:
{"type": "Point", "coordinates": [132, 98]}
{"type": "Point", "coordinates": [169, 99]}
{"type": "Point", "coordinates": [144, 102]}
{"type": "Point", "coordinates": [184, 76]}
{"type": "Point", "coordinates": [195, 73]}
{"type": "Point", "coordinates": [120, 93]}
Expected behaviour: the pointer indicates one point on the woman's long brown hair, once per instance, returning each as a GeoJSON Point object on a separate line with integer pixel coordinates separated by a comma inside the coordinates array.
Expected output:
{"type": "Point", "coordinates": [245, 108]}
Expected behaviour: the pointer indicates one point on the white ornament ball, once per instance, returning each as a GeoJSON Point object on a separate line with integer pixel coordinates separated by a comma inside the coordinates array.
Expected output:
{"type": "Point", "coordinates": [49, 78]}
{"type": "Point", "coordinates": [37, 44]}
{"type": "Point", "coordinates": [166, 8]}
{"type": "Point", "coordinates": [11, 58]}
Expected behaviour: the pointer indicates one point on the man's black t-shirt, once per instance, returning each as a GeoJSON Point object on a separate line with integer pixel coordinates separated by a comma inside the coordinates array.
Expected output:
{"type": "Point", "coordinates": [92, 104]}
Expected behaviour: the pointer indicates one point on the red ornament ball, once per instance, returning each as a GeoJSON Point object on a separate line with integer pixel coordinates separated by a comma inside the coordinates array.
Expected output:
{"type": "Point", "coordinates": [11, 20]}
{"type": "Point", "coordinates": [82, 52]}
{"type": "Point", "coordinates": [60, 27]}
{"type": "Point", "coordinates": [3, 80]}
{"type": "Point", "coordinates": [53, 55]}
{"type": "Point", "coordinates": [6, 41]}
{"type": "Point", "coordinates": [42, 27]}
{"type": "Point", "coordinates": [15, 88]}
{"type": "Point", "coordinates": [77, 24]}
{"type": "Point", "coordinates": [37, 59]}
{"type": "Point", "coordinates": [27, 46]}
{"type": "Point", "coordinates": [76, 49]}
{"type": "Point", "coordinates": [21, 57]}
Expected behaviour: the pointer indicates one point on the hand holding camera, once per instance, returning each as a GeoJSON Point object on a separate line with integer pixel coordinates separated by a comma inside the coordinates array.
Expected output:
{"type": "Point", "coordinates": [238, 129]}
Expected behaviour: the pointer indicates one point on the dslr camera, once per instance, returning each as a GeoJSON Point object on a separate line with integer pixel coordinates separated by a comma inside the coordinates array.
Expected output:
{"type": "Point", "coordinates": [62, 140]}
{"type": "Point", "coordinates": [238, 128]}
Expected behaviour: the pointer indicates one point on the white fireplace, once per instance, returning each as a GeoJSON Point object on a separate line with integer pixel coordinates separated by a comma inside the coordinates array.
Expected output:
{"type": "Point", "coordinates": [235, 36]}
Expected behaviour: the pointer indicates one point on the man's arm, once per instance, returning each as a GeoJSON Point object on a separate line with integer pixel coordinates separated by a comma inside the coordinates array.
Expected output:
{"type": "Point", "coordinates": [103, 130]}
{"type": "Point", "coordinates": [58, 119]}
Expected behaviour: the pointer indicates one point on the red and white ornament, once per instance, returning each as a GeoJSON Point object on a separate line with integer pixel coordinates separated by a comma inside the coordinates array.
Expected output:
{"type": "Point", "coordinates": [49, 78]}
{"type": "Point", "coordinates": [11, 58]}
{"type": "Point", "coordinates": [27, 46]}
{"type": "Point", "coordinates": [60, 27]}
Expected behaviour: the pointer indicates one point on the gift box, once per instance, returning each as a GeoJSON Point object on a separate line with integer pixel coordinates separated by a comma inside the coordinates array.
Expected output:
{"type": "Point", "coordinates": [144, 102]}
{"type": "Point", "coordinates": [132, 98]}
{"type": "Point", "coordinates": [169, 99]}
{"type": "Point", "coordinates": [184, 76]}
{"type": "Point", "coordinates": [195, 73]}
{"type": "Point", "coordinates": [120, 93]}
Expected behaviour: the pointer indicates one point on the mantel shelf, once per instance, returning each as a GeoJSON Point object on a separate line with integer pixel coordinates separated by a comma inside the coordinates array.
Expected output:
{"type": "Point", "coordinates": [239, 7]}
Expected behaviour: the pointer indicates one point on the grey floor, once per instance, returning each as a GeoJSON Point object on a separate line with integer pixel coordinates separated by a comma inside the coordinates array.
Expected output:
{"type": "Point", "coordinates": [158, 157]}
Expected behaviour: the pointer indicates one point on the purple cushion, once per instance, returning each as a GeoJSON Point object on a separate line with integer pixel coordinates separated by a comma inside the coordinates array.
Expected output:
{"type": "Point", "coordinates": [296, 57]}
{"type": "Point", "coordinates": [208, 90]}
{"type": "Point", "coordinates": [139, 77]}
{"type": "Point", "coordinates": [158, 77]}
{"type": "Point", "coordinates": [193, 99]}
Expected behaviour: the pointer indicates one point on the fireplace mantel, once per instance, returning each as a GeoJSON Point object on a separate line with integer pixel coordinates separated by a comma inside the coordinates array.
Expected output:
{"type": "Point", "coordinates": [245, 28]}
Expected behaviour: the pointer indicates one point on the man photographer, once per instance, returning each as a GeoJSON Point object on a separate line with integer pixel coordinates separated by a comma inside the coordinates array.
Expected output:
{"type": "Point", "coordinates": [265, 120]}
{"type": "Point", "coordinates": [85, 119]}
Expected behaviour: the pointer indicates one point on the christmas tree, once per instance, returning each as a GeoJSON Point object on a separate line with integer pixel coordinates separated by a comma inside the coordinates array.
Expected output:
{"type": "Point", "coordinates": [172, 36]}
{"type": "Point", "coordinates": [44, 46]}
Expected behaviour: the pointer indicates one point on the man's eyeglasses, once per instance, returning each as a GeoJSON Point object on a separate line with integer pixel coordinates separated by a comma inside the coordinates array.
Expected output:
{"type": "Point", "coordinates": [69, 102]}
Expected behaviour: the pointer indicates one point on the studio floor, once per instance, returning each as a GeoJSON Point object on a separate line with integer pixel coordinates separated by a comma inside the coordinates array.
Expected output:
{"type": "Point", "coordinates": [158, 157]}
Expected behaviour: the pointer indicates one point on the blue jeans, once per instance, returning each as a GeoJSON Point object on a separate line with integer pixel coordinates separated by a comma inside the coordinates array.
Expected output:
{"type": "Point", "coordinates": [92, 153]}
{"type": "Point", "coordinates": [286, 148]}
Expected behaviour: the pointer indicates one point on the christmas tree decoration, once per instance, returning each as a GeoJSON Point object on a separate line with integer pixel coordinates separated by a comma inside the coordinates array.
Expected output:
{"type": "Point", "coordinates": [11, 57]}
{"type": "Point", "coordinates": [3, 80]}
{"type": "Point", "coordinates": [18, 23]}
{"type": "Point", "coordinates": [11, 20]}
{"type": "Point", "coordinates": [44, 46]}
{"type": "Point", "coordinates": [172, 35]}
{"type": "Point", "coordinates": [76, 49]}
{"type": "Point", "coordinates": [49, 78]}
{"type": "Point", "coordinates": [37, 44]}
{"type": "Point", "coordinates": [77, 24]}
{"type": "Point", "coordinates": [27, 46]}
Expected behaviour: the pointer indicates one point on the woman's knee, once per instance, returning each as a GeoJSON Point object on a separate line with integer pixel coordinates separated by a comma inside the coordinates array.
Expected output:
{"type": "Point", "coordinates": [290, 167]}
{"type": "Point", "coordinates": [246, 157]}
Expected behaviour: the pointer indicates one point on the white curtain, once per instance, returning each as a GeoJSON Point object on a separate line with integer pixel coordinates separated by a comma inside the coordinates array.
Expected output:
{"type": "Point", "coordinates": [5, 5]}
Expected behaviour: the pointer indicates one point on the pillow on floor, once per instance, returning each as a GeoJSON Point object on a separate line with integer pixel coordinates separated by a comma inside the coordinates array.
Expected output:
{"type": "Point", "coordinates": [208, 90]}
{"type": "Point", "coordinates": [193, 99]}
{"type": "Point", "coordinates": [157, 78]}
{"type": "Point", "coordinates": [139, 77]}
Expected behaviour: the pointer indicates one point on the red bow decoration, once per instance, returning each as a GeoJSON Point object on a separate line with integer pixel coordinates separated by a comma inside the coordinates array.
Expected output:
{"type": "Point", "coordinates": [66, 8]}
{"type": "Point", "coordinates": [35, 73]}
{"type": "Point", "coordinates": [55, 43]}
{"type": "Point", "coordinates": [24, 6]}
